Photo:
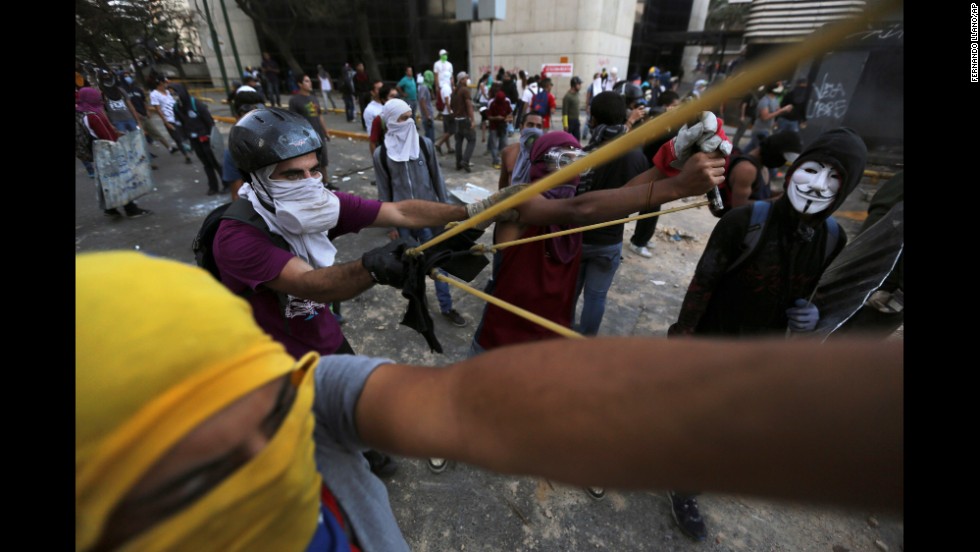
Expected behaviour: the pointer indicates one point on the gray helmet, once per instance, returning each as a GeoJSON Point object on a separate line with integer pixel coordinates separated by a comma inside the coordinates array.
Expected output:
{"type": "Point", "coordinates": [267, 136]}
{"type": "Point", "coordinates": [632, 94]}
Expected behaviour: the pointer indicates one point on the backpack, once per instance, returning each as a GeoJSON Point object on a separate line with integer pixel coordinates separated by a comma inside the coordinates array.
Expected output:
{"type": "Point", "coordinates": [757, 223]}
{"type": "Point", "coordinates": [83, 139]}
{"type": "Point", "coordinates": [540, 104]}
{"type": "Point", "coordinates": [240, 210]}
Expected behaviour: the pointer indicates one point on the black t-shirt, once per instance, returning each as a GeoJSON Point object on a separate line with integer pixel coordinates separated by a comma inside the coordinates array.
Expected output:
{"type": "Point", "coordinates": [610, 176]}
{"type": "Point", "coordinates": [797, 98]}
{"type": "Point", "coordinates": [137, 98]}
{"type": "Point", "coordinates": [510, 89]}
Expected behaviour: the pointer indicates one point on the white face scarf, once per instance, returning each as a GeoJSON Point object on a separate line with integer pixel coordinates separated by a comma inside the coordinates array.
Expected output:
{"type": "Point", "coordinates": [813, 187]}
{"type": "Point", "coordinates": [305, 212]}
{"type": "Point", "coordinates": [401, 138]}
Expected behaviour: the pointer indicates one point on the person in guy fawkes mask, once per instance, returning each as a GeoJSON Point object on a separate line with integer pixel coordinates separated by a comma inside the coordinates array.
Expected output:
{"type": "Point", "coordinates": [788, 262]}
{"type": "Point", "coordinates": [745, 176]}
{"type": "Point", "coordinates": [768, 291]}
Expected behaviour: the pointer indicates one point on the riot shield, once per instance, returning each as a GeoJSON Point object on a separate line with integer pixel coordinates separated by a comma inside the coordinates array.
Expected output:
{"type": "Point", "coordinates": [122, 169]}
{"type": "Point", "coordinates": [859, 270]}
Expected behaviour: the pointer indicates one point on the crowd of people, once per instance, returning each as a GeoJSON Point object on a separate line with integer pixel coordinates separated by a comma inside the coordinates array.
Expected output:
{"type": "Point", "coordinates": [194, 448]}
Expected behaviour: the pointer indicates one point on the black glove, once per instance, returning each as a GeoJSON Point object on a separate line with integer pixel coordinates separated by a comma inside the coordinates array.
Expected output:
{"type": "Point", "coordinates": [386, 264]}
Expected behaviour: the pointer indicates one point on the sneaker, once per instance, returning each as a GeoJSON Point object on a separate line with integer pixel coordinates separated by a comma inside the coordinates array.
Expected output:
{"type": "Point", "coordinates": [111, 213]}
{"type": "Point", "coordinates": [382, 465]}
{"type": "Point", "coordinates": [437, 465]}
{"type": "Point", "coordinates": [496, 165]}
{"type": "Point", "coordinates": [641, 251]}
{"type": "Point", "coordinates": [137, 213]}
{"type": "Point", "coordinates": [466, 168]}
{"type": "Point", "coordinates": [597, 493]}
{"type": "Point", "coordinates": [687, 516]}
{"type": "Point", "coordinates": [455, 318]}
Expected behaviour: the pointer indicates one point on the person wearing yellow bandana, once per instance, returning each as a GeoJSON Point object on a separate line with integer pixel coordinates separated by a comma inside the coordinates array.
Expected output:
{"type": "Point", "coordinates": [195, 430]}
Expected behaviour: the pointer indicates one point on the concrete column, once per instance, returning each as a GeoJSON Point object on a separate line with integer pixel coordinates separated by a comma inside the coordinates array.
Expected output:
{"type": "Point", "coordinates": [689, 59]}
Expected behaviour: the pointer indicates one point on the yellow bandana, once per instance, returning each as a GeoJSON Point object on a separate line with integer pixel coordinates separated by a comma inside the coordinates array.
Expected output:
{"type": "Point", "coordinates": [160, 346]}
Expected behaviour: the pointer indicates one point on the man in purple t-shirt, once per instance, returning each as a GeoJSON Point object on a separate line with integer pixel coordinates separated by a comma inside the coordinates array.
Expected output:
{"type": "Point", "coordinates": [276, 152]}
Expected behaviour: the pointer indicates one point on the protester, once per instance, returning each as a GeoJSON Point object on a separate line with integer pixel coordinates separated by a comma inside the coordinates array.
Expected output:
{"type": "Point", "coordinates": [97, 124]}
{"type": "Point", "coordinates": [767, 292]}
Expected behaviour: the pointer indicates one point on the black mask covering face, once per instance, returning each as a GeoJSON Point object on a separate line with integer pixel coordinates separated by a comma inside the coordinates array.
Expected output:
{"type": "Point", "coordinates": [771, 157]}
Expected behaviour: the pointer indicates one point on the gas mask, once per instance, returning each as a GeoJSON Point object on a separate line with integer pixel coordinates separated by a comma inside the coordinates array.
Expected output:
{"type": "Point", "coordinates": [557, 158]}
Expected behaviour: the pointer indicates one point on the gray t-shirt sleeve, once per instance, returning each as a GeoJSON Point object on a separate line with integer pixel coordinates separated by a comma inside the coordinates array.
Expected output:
{"type": "Point", "coordinates": [339, 380]}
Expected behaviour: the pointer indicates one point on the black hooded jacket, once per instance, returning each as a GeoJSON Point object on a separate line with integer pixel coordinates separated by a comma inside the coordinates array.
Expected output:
{"type": "Point", "coordinates": [787, 263]}
{"type": "Point", "coordinates": [194, 116]}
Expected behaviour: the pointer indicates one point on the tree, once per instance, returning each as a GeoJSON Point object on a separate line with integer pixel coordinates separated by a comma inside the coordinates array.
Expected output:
{"type": "Point", "coordinates": [113, 31]}
{"type": "Point", "coordinates": [723, 15]}
{"type": "Point", "coordinates": [258, 10]}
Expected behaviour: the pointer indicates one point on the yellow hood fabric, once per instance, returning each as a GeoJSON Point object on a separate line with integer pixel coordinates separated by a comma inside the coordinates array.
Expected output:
{"type": "Point", "coordinates": [160, 346]}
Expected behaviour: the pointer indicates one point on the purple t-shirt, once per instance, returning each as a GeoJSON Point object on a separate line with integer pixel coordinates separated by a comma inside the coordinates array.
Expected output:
{"type": "Point", "coordinates": [248, 259]}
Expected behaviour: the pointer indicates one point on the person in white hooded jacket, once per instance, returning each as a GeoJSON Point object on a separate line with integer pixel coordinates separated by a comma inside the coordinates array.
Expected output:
{"type": "Point", "coordinates": [404, 171]}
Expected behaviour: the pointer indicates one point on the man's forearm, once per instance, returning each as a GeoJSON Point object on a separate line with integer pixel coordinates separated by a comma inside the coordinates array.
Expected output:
{"type": "Point", "coordinates": [798, 420]}
{"type": "Point", "coordinates": [338, 282]}
{"type": "Point", "coordinates": [599, 206]}
{"type": "Point", "coordinates": [416, 213]}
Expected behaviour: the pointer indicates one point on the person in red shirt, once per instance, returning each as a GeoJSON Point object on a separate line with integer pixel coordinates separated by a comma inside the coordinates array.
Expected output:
{"type": "Point", "coordinates": [377, 127]}
{"type": "Point", "coordinates": [547, 85]}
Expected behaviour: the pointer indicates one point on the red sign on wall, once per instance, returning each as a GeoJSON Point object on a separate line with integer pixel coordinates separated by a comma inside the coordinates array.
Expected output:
{"type": "Point", "coordinates": [557, 69]}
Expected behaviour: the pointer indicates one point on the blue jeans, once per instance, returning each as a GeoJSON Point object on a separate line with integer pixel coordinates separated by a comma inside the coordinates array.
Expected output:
{"type": "Point", "coordinates": [599, 265]}
{"type": "Point", "coordinates": [423, 235]}
{"type": "Point", "coordinates": [783, 124]}
{"type": "Point", "coordinates": [125, 126]}
{"type": "Point", "coordinates": [349, 107]}
{"type": "Point", "coordinates": [496, 142]}
{"type": "Point", "coordinates": [573, 128]}
{"type": "Point", "coordinates": [429, 129]}
{"type": "Point", "coordinates": [757, 137]}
